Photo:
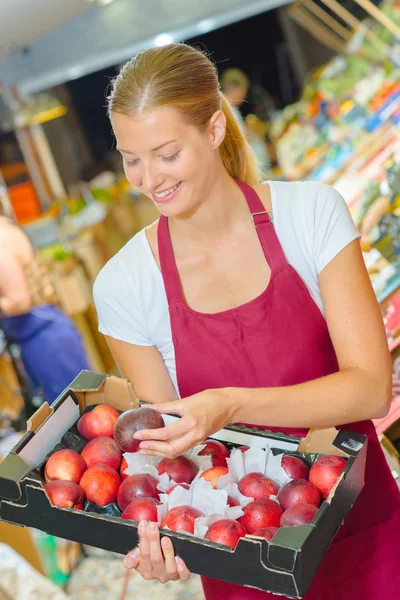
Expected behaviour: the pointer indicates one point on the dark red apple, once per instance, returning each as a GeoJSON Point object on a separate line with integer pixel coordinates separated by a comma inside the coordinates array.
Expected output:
{"type": "Point", "coordinates": [325, 472]}
{"type": "Point", "coordinates": [260, 514]}
{"type": "Point", "coordinates": [232, 502]}
{"type": "Point", "coordinates": [65, 464]}
{"type": "Point", "coordinates": [65, 494]}
{"type": "Point", "coordinates": [184, 485]}
{"type": "Point", "coordinates": [227, 532]}
{"type": "Point", "coordinates": [266, 532]}
{"type": "Point", "coordinates": [217, 451]}
{"type": "Point", "coordinates": [132, 421]}
{"type": "Point", "coordinates": [257, 486]}
{"type": "Point", "coordinates": [298, 491]}
{"type": "Point", "coordinates": [295, 467]}
{"type": "Point", "coordinates": [181, 518]}
{"type": "Point", "coordinates": [213, 474]}
{"type": "Point", "coordinates": [298, 514]}
{"type": "Point", "coordinates": [180, 469]}
{"type": "Point", "coordinates": [141, 485]}
{"type": "Point", "coordinates": [98, 422]}
{"type": "Point", "coordinates": [142, 509]}
{"type": "Point", "coordinates": [100, 484]}
{"type": "Point", "coordinates": [102, 451]}
{"type": "Point", "coordinates": [124, 465]}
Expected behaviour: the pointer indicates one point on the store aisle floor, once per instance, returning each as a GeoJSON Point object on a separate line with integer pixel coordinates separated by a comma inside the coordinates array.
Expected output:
{"type": "Point", "coordinates": [101, 575]}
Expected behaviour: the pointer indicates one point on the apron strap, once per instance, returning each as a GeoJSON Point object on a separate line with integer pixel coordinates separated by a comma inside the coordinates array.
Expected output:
{"type": "Point", "coordinates": [169, 270]}
{"type": "Point", "coordinates": [262, 221]}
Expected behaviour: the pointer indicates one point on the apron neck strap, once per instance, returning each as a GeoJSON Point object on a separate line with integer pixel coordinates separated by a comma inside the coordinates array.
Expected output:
{"type": "Point", "coordinates": [262, 221]}
{"type": "Point", "coordinates": [169, 270]}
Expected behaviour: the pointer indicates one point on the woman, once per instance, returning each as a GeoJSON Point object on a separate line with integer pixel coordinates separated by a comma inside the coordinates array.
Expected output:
{"type": "Point", "coordinates": [51, 348]}
{"type": "Point", "coordinates": [220, 315]}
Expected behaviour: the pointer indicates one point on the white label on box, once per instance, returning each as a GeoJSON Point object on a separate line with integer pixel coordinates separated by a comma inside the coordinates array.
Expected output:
{"type": "Point", "coordinates": [50, 433]}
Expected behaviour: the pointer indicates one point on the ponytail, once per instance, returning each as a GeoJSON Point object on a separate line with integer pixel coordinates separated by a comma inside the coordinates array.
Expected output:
{"type": "Point", "coordinates": [236, 153]}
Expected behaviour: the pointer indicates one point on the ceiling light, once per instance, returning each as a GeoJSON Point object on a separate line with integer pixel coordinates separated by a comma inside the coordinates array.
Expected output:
{"type": "Point", "coordinates": [163, 39]}
{"type": "Point", "coordinates": [104, 2]}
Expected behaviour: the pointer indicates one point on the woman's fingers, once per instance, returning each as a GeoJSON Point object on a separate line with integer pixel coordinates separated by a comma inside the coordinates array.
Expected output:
{"type": "Point", "coordinates": [145, 566]}
{"type": "Point", "coordinates": [183, 571]}
{"type": "Point", "coordinates": [156, 555]}
{"type": "Point", "coordinates": [169, 556]}
{"type": "Point", "coordinates": [131, 560]}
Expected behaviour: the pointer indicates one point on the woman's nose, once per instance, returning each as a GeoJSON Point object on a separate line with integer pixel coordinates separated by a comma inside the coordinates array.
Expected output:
{"type": "Point", "coordinates": [152, 178]}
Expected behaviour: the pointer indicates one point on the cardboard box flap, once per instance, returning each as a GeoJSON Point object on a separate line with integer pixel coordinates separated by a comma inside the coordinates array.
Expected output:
{"type": "Point", "coordinates": [39, 417]}
{"type": "Point", "coordinates": [12, 469]}
{"type": "Point", "coordinates": [114, 391]}
{"type": "Point", "coordinates": [87, 381]}
{"type": "Point", "coordinates": [320, 441]}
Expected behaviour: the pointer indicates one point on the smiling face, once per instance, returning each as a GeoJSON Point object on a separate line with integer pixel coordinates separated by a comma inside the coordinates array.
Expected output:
{"type": "Point", "coordinates": [171, 161]}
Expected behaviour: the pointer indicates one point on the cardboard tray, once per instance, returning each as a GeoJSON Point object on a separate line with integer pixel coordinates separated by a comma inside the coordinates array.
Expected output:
{"type": "Point", "coordinates": [285, 566]}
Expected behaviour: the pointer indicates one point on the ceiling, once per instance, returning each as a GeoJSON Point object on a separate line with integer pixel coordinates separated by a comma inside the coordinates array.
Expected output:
{"type": "Point", "coordinates": [66, 39]}
{"type": "Point", "coordinates": [25, 21]}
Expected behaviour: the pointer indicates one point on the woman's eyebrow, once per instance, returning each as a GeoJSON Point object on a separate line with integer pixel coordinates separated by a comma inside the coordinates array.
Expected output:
{"type": "Point", "coordinates": [153, 149]}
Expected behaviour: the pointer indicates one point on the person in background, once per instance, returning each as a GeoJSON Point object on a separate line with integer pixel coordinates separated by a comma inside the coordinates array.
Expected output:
{"type": "Point", "coordinates": [51, 348]}
{"type": "Point", "coordinates": [236, 87]}
{"type": "Point", "coordinates": [245, 302]}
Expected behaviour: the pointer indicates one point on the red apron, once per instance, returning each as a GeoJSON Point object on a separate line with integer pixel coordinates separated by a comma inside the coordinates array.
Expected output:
{"type": "Point", "coordinates": [280, 338]}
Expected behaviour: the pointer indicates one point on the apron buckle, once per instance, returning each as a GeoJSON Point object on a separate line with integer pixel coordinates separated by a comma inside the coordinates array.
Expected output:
{"type": "Point", "coordinates": [263, 212]}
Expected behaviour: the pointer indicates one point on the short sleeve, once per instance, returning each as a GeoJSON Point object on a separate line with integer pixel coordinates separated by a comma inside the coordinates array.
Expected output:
{"type": "Point", "coordinates": [120, 312]}
{"type": "Point", "coordinates": [333, 228]}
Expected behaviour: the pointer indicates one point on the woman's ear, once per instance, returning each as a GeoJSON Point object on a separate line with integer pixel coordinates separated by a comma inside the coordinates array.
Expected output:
{"type": "Point", "coordinates": [217, 128]}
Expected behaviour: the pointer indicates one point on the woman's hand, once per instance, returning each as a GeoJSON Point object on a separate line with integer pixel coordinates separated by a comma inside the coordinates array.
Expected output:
{"type": "Point", "coordinates": [201, 415]}
{"type": "Point", "coordinates": [155, 558]}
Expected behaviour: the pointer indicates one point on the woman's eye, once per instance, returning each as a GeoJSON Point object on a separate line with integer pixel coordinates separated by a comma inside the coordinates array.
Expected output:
{"type": "Point", "coordinates": [171, 158]}
{"type": "Point", "coordinates": [131, 163]}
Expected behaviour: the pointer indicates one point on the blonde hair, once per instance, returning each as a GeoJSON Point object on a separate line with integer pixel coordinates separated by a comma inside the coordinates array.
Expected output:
{"type": "Point", "coordinates": [183, 77]}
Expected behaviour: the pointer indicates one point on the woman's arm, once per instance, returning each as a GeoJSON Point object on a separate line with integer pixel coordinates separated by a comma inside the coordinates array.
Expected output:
{"type": "Point", "coordinates": [144, 367]}
{"type": "Point", "coordinates": [360, 390]}
{"type": "Point", "coordinates": [14, 292]}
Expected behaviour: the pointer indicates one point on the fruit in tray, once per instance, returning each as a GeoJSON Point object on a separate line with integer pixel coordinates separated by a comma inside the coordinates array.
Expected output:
{"type": "Point", "coordinates": [217, 451]}
{"type": "Point", "coordinates": [257, 486]}
{"type": "Point", "coordinates": [98, 422]}
{"type": "Point", "coordinates": [65, 464]}
{"type": "Point", "coordinates": [98, 476]}
{"type": "Point", "coordinates": [132, 421]}
{"type": "Point", "coordinates": [141, 485]}
{"type": "Point", "coordinates": [298, 491]}
{"type": "Point", "coordinates": [212, 475]}
{"type": "Point", "coordinates": [298, 514]}
{"type": "Point", "coordinates": [181, 469]}
{"type": "Point", "coordinates": [142, 509]}
{"type": "Point", "coordinates": [65, 494]}
{"type": "Point", "coordinates": [261, 513]}
{"type": "Point", "coordinates": [100, 484]}
{"type": "Point", "coordinates": [325, 472]}
{"type": "Point", "coordinates": [266, 532]}
{"type": "Point", "coordinates": [181, 518]}
{"type": "Point", "coordinates": [295, 467]}
{"type": "Point", "coordinates": [227, 532]}
{"type": "Point", "coordinates": [104, 451]}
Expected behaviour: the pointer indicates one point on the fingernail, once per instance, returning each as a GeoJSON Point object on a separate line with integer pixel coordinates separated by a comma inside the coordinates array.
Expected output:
{"type": "Point", "coordinates": [131, 559]}
{"type": "Point", "coordinates": [143, 526]}
{"type": "Point", "coordinates": [152, 527]}
{"type": "Point", "coordinates": [137, 435]}
{"type": "Point", "coordinates": [143, 446]}
{"type": "Point", "coordinates": [179, 563]}
{"type": "Point", "coordinates": [166, 542]}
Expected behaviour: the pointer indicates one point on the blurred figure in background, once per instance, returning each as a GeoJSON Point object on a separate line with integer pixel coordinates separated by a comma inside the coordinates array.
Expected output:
{"type": "Point", "coordinates": [237, 88]}
{"type": "Point", "coordinates": [51, 349]}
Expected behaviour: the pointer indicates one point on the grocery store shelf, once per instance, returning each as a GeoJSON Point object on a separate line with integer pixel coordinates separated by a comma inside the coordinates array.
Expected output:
{"type": "Point", "coordinates": [393, 284]}
{"type": "Point", "coordinates": [393, 345]}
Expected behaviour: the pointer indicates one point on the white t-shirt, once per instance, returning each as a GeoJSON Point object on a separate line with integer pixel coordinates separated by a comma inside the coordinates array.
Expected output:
{"type": "Point", "coordinates": [313, 225]}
